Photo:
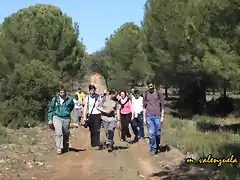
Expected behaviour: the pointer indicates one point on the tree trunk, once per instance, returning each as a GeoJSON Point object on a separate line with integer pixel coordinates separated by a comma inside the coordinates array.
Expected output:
{"type": "Point", "coordinates": [213, 94]}
{"type": "Point", "coordinates": [224, 92]}
{"type": "Point", "coordinates": [166, 92]}
{"type": "Point", "coordinates": [202, 97]}
{"type": "Point", "coordinates": [106, 82]}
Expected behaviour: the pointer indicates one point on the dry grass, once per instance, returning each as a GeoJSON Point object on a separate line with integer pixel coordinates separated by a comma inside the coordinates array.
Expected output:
{"type": "Point", "coordinates": [188, 136]}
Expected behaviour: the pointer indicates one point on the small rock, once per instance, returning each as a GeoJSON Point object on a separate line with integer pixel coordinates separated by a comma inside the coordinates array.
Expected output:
{"type": "Point", "coordinates": [189, 155]}
{"type": "Point", "coordinates": [48, 166]}
{"type": "Point", "coordinates": [30, 164]}
{"type": "Point", "coordinates": [34, 177]}
{"type": "Point", "coordinates": [2, 161]}
{"type": "Point", "coordinates": [39, 163]}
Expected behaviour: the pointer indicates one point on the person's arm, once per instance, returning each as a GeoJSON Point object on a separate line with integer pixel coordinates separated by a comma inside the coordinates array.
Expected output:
{"type": "Point", "coordinates": [144, 107]}
{"type": "Point", "coordinates": [133, 107]}
{"type": "Point", "coordinates": [51, 110]}
{"type": "Point", "coordinates": [107, 111]}
{"type": "Point", "coordinates": [162, 104]}
{"type": "Point", "coordinates": [85, 109]}
{"type": "Point", "coordinates": [83, 100]}
{"type": "Point", "coordinates": [118, 112]}
{"type": "Point", "coordinates": [71, 105]}
{"type": "Point", "coordinates": [132, 111]}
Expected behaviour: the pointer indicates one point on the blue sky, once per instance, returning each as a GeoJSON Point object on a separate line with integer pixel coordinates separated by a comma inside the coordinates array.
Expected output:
{"type": "Point", "coordinates": [98, 18]}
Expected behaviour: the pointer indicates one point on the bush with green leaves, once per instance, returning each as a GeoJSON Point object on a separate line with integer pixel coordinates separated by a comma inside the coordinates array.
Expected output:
{"type": "Point", "coordinates": [39, 48]}
{"type": "Point", "coordinates": [26, 90]}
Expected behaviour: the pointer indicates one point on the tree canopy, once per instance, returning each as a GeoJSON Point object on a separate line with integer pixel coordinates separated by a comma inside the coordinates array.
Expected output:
{"type": "Point", "coordinates": [190, 45]}
{"type": "Point", "coordinates": [39, 49]}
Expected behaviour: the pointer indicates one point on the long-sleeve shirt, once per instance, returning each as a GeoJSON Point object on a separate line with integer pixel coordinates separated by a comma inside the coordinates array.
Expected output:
{"type": "Point", "coordinates": [153, 104]}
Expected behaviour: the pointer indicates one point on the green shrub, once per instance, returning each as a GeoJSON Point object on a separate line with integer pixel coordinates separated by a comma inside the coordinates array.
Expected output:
{"type": "Point", "coordinates": [26, 90]}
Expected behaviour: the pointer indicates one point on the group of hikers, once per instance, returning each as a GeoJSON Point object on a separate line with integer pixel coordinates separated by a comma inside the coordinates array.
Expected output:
{"type": "Point", "coordinates": [114, 109]}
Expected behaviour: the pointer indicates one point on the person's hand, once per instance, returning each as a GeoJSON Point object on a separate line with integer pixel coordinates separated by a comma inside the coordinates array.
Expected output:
{"type": "Point", "coordinates": [161, 120]}
{"type": "Point", "coordinates": [50, 124]}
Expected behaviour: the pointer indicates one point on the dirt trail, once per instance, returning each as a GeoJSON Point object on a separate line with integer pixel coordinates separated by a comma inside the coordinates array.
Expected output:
{"type": "Point", "coordinates": [96, 80]}
{"type": "Point", "coordinates": [126, 162]}
{"type": "Point", "coordinates": [96, 165]}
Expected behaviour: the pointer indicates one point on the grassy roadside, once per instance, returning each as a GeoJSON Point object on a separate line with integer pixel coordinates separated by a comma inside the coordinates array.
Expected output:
{"type": "Point", "coordinates": [202, 136]}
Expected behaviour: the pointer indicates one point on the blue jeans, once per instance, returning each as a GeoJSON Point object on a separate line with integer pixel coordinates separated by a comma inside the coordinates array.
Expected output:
{"type": "Point", "coordinates": [154, 131]}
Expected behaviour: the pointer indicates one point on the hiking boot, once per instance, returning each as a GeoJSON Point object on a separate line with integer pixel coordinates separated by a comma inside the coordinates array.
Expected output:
{"type": "Point", "coordinates": [129, 140]}
{"type": "Point", "coordinates": [135, 140]}
{"type": "Point", "coordinates": [96, 148]}
{"type": "Point", "coordinates": [123, 141]}
{"type": "Point", "coordinates": [59, 151]}
{"type": "Point", "coordinates": [110, 147]}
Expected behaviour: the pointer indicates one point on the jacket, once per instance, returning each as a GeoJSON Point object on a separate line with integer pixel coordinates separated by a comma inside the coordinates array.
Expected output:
{"type": "Point", "coordinates": [62, 111]}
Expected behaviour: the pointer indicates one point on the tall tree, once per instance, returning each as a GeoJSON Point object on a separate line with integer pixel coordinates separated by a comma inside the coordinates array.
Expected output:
{"type": "Point", "coordinates": [44, 33]}
{"type": "Point", "coordinates": [123, 50]}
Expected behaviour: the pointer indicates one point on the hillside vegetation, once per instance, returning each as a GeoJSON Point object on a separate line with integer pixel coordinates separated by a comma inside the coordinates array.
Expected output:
{"type": "Point", "coordinates": [189, 48]}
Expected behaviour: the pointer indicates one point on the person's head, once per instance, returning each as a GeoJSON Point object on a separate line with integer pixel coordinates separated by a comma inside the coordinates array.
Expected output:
{"type": "Point", "coordinates": [151, 87]}
{"type": "Point", "coordinates": [62, 91]}
{"type": "Point", "coordinates": [79, 90]}
{"type": "Point", "coordinates": [113, 94]}
{"type": "Point", "coordinates": [92, 89]}
{"type": "Point", "coordinates": [136, 94]}
{"type": "Point", "coordinates": [76, 96]}
{"type": "Point", "coordinates": [123, 94]}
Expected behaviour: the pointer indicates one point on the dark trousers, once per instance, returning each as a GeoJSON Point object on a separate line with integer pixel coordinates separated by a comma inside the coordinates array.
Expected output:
{"type": "Point", "coordinates": [140, 124]}
{"type": "Point", "coordinates": [125, 120]}
{"type": "Point", "coordinates": [94, 124]}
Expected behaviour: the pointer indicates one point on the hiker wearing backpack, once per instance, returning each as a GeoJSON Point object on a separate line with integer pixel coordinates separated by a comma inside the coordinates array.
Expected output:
{"type": "Point", "coordinates": [107, 109]}
{"type": "Point", "coordinates": [153, 115]}
{"type": "Point", "coordinates": [92, 116]}
{"type": "Point", "coordinates": [125, 116]}
{"type": "Point", "coordinates": [137, 107]}
{"type": "Point", "coordinates": [59, 116]}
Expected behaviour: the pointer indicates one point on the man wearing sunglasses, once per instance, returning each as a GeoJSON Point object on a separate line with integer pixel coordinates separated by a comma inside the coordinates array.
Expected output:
{"type": "Point", "coordinates": [153, 116]}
